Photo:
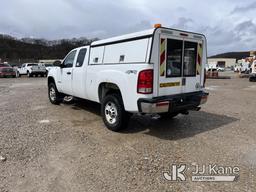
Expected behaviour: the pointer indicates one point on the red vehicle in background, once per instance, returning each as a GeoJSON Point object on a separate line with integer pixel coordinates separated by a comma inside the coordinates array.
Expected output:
{"type": "Point", "coordinates": [7, 71]}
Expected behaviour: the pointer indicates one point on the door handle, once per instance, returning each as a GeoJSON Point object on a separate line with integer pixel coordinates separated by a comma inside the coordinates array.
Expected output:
{"type": "Point", "coordinates": [69, 73]}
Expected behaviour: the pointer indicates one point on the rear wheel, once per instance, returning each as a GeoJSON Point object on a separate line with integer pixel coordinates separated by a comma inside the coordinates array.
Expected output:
{"type": "Point", "coordinates": [53, 94]}
{"type": "Point", "coordinates": [114, 115]}
{"type": "Point", "coordinates": [252, 79]}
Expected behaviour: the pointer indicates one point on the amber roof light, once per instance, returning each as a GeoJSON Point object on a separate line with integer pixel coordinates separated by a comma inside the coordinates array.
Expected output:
{"type": "Point", "coordinates": [157, 25]}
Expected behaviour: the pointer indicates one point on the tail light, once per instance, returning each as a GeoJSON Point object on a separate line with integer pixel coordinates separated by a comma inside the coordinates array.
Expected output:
{"type": "Point", "coordinates": [145, 82]}
{"type": "Point", "coordinates": [204, 77]}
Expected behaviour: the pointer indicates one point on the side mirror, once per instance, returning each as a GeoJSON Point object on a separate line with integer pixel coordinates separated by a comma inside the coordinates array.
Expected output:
{"type": "Point", "coordinates": [57, 63]}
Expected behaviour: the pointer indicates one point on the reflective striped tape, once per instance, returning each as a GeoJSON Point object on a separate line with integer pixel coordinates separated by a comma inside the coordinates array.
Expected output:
{"type": "Point", "coordinates": [162, 57]}
{"type": "Point", "coordinates": [199, 59]}
{"type": "Point", "coordinates": [171, 84]}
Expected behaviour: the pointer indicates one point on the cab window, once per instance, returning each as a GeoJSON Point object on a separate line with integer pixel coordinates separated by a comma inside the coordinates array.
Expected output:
{"type": "Point", "coordinates": [81, 57]}
{"type": "Point", "coordinates": [68, 62]}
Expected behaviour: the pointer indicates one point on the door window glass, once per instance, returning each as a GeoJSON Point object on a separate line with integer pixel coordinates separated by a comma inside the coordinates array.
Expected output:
{"type": "Point", "coordinates": [174, 58]}
{"type": "Point", "coordinates": [68, 63]}
{"type": "Point", "coordinates": [81, 57]}
{"type": "Point", "coordinates": [190, 56]}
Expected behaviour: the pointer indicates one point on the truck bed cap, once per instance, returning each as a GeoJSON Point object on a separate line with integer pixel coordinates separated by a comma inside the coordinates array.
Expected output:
{"type": "Point", "coordinates": [124, 37]}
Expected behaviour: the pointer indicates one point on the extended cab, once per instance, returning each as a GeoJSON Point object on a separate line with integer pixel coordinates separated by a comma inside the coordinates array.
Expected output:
{"type": "Point", "coordinates": [31, 69]}
{"type": "Point", "coordinates": [158, 71]}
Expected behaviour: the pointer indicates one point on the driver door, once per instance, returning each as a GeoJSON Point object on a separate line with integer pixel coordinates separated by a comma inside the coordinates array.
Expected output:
{"type": "Point", "coordinates": [66, 73]}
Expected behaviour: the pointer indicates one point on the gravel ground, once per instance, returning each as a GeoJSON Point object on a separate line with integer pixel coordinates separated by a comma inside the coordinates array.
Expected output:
{"type": "Point", "coordinates": [67, 148]}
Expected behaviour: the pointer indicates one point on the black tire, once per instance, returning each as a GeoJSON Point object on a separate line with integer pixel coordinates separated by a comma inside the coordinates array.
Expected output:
{"type": "Point", "coordinates": [122, 117]}
{"type": "Point", "coordinates": [58, 97]}
{"type": "Point", "coordinates": [14, 76]}
{"type": "Point", "coordinates": [28, 74]}
{"type": "Point", "coordinates": [168, 115]}
{"type": "Point", "coordinates": [252, 79]}
{"type": "Point", "coordinates": [18, 74]}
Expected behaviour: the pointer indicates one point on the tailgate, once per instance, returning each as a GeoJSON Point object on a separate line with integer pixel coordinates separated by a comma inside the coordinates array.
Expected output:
{"type": "Point", "coordinates": [180, 65]}
{"type": "Point", "coordinates": [38, 68]}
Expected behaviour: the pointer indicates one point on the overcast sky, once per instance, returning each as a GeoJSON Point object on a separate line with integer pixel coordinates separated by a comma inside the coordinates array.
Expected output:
{"type": "Point", "coordinates": [230, 25]}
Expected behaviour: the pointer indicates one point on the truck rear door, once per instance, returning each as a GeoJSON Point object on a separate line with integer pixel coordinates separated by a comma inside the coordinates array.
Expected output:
{"type": "Point", "coordinates": [180, 62]}
{"type": "Point", "coordinates": [192, 65]}
{"type": "Point", "coordinates": [170, 66]}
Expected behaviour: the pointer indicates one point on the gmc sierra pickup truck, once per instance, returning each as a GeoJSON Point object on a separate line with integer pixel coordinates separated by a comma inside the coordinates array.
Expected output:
{"type": "Point", "coordinates": [158, 71]}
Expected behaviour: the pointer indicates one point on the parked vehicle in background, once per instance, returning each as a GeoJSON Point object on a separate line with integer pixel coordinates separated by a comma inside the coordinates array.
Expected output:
{"type": "Point", "coordinates": [252, 76]}
{"type": "Point", "coordinates": [237, 68]}
{"type": "Point", "coordinates": [47, 66]}
{"type": "Point", "coordinates": [245, 68]}
{"type": "Point", "coordinates": [212, 73]}
{"type": "Point", "coordinates": [7, 71]}
{"type": "Point", "coordinates": [158, 71]}
{"type": "Point", "coordinates": [220, 69]}
{"type": "Point", "coordinates": [15, 68]}
{"type": "Point", "coordinates": [31, 69]}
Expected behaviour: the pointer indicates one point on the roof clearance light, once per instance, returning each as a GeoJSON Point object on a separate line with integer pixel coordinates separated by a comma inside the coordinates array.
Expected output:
{"type": "Point", "coordinates": [158, 25]}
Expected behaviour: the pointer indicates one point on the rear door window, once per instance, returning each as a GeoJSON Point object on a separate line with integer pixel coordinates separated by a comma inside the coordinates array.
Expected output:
{"type": "Point", "coordinates": [174, 58]}
{"type": "Point", "coordinates": [80, 58]}
{"type": "Point", "coordinates": [190, 56]}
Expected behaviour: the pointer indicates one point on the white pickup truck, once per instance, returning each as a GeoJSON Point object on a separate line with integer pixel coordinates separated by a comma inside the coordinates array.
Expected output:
{"type": "Point", "coordinates": [31, 69]}
{"type": "Point", "coordinates": [158, 71]}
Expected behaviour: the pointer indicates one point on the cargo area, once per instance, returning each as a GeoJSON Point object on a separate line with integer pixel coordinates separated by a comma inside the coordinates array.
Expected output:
{"type": "Point", "coordinates": [182, 57]}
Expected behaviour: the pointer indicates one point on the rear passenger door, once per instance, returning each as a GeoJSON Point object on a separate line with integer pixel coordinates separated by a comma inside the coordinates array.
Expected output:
{"type": "Point", "coordinates": [79, 73]}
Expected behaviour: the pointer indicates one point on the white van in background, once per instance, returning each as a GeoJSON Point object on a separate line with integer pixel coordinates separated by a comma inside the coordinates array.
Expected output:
{"type": "Point", "coordinates": [252, 77]}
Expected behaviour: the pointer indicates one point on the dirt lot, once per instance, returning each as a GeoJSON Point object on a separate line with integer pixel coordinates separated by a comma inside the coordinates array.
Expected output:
{"type": "Point", "coordinates": [67, 148]}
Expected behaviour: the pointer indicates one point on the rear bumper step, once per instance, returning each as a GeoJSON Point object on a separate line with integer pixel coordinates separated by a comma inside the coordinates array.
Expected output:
{"type": "Point", "coordinates": [174, 103]}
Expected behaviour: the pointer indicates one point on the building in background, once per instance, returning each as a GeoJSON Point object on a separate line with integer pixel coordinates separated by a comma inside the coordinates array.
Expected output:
{"type": "Point", "coordinates": [221, 62]}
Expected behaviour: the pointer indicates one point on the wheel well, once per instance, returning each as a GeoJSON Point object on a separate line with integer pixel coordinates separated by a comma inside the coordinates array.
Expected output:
{"type": "Point", "coordinates": [51, 80]}
{"type": "Point", "coordinates": [107, 89]}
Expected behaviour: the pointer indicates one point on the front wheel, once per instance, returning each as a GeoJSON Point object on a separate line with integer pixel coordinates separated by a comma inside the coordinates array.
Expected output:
{"type": "Point", "coordinates": [53, 94]}
{"type": "Point", "coordinates": [114, 115]}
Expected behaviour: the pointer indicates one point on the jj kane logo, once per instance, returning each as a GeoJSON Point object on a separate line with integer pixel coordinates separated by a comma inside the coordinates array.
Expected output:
{"type": "Point", "coordinates": [203, 173]}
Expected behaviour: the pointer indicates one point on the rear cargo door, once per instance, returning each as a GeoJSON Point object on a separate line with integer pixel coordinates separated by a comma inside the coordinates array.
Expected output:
{"type": "Point", "coordinates": [192, 65]}
{"type": "Point", "coordinates": [170, 65]}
